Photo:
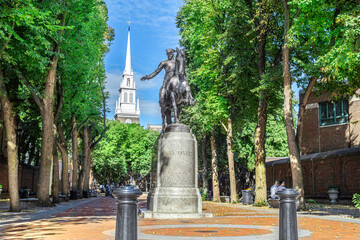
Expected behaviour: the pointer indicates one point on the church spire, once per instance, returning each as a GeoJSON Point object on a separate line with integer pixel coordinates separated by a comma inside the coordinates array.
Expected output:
{"type": "Point", "coordinates": [128, 55]}
{"type": "Point", "coordinates": [127, 108]}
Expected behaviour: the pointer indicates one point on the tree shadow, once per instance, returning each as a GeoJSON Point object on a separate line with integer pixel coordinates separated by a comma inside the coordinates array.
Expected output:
{"type": "Point", "coordinates": [93, 212]}
{"type": "Point", "coordinates": [329, 210]}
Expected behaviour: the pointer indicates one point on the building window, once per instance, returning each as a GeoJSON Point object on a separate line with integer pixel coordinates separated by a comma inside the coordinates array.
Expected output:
{"type": "Point", "coordinates": [131, 98]}
{"type": "Point", "coordinates": [125, 97]}
{"type": "Point", "coordinates": [335, 112]}
{"type": "Point", "coordinates": [128, 120]}
{"type": "Point", "coordinates": [128, 82]}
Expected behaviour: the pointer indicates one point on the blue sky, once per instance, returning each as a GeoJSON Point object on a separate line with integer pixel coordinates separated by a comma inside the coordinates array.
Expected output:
{"type": "Point", "coordinates": [153, 30]}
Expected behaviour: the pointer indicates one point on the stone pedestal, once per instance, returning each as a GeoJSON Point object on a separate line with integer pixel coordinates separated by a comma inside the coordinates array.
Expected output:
{"type": "Point", "coordinates": [176, 193]}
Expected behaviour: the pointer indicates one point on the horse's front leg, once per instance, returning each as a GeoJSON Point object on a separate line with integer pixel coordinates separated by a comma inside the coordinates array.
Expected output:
{"type": "Point", "coordinates": [163, 116]}
{"type": "Point", "coordinates": [173, 101]}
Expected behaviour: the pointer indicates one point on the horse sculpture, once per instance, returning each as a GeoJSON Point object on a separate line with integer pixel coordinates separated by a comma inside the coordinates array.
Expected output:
{"type": "Point", "coordinates": [178, 90]}
{"type": "Point", "coordinates": [175, 89]}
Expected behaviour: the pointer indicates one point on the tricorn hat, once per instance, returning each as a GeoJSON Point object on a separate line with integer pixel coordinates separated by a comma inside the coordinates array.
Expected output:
{"type": "Point", "coordinates": [170, 50]}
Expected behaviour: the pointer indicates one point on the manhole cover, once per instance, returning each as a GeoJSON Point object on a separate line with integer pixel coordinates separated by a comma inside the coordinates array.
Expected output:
{"type": "Point", "coordinates": [206, 231]}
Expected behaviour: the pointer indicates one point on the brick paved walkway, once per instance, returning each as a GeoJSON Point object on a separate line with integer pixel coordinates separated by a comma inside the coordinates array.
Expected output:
{"type": "Point", "coordinates": [95, 219]}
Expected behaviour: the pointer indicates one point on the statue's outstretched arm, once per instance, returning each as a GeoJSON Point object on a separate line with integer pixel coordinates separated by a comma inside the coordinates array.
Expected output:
{"type": "Point", "coordinates": [156, 72]}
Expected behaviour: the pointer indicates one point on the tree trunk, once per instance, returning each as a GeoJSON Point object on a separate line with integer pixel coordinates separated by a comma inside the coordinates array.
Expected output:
{"type": "Point", "coordinates": [260, 130]}
{"type": "Point", "coordinates": [55, 180]}
{"type": "Point", "coordinates": [13, 158]}
{"type": "Point", "coordinates": [81, 180]}
{"type": "Point", "coordinates": [260, 155]}
{"type": "Point", "coordinates": [295, 163]}
{"type": "Point", "coordinates": [215, 180]}
{"type": "Point", "coordinates": [65, 163]}
{"type": "Point", "coordinates": [47, 142]}
{"type": "Point", "coordinates": [302, 106]}
{"type": "Point", "coordinates": [230, 155]}
{"type": "Point", "coordinates": [86, 161]}
{"type": "Point", "coordinates": [75, 171]}
{"type": "Point", "coordinates": [205, 165]}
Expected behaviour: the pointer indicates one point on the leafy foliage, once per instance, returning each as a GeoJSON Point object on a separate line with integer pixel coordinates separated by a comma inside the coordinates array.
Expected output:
{"type": "Point", "coordinates": [125, 150]}
{"type": "Point", "coordinates": [356, 200]}
{"type": "Point", "coordinates": [325, 36]}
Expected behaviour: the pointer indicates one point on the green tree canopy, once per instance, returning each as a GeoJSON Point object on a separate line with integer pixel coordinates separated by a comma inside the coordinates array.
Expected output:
{"type": "Point", "coordinates": [124, 151]}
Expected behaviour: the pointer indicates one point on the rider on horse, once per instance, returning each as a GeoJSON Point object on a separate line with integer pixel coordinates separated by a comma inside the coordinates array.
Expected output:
{"type": "Point", "coordinates": [170, 69]}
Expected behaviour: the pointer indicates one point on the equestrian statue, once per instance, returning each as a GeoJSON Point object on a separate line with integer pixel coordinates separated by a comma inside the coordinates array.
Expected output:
{"type": "Point", "coordinates": [175, 89]}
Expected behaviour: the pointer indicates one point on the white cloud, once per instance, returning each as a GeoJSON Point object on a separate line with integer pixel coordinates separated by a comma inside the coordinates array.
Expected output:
{"type": "Point", "coordinates": [113, 80]}
{"type": "Point", "coordinates": [150, 108]}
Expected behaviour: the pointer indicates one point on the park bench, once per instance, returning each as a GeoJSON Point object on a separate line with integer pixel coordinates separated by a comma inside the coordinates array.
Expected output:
{"type": "Point", "coordinates": [62, 197]}
{"type": "Point", "coordinates": [24, 193]}
{"type": "Point", "coordinates": [274, 203]}
{"type": "Point", "coordinates": [225, 199]}
{"type": "Point", "coordinates": [28, 203]}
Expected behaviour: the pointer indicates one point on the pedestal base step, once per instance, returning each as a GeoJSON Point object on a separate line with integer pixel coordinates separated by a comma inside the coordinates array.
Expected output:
{"type": "Point", "coordinates": [149, 214]}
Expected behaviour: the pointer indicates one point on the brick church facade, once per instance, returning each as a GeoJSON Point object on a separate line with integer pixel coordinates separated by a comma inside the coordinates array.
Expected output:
{"type": "Point", "coordinates": [330, 148]}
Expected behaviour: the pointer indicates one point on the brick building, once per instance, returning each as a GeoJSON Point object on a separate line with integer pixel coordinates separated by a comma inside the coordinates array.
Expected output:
{"type": "Point", "coordinates": [330, 148]}
{"type": "Point", "coordinates": [330, 125]}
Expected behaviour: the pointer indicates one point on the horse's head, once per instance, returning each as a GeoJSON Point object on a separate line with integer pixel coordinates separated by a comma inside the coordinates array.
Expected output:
{"type": "Point", "coordinates": [180, 62]}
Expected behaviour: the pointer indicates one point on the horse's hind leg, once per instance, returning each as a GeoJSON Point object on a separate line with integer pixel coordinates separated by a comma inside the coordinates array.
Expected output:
{"type": "Point", "coordinates": [173, 100]}
{"type": "Point", "coordinates": [168, 116]}
{"type": "Point", "coordinates": [189, 98]}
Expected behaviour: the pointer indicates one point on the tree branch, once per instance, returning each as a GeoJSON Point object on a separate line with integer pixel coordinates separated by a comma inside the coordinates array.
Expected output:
{"type": "Point", "coordinates": [252, 14]}
{"type": "Point", "coordinates": [79, 127]}
{"type": "Point", "coordinates": [31, 88]}
{"type": "Point", "coordinates": [224, 126]}
{"type": "Point", "coordinates": [92, 145]}
{"type": "Point", "coordinates": [60, 101]}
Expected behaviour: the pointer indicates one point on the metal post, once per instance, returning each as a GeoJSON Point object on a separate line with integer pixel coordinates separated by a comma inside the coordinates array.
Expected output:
{"type": "Point", "coordinates": [126, 218]}
{"type": "Point", "coordinates": [287, 216]}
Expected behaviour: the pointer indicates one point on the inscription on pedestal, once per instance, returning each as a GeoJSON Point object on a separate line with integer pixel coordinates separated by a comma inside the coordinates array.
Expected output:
{"type": "Point", "coordinates": [176, 190]}
{"type": "Point", "coordinates": [178, 153]}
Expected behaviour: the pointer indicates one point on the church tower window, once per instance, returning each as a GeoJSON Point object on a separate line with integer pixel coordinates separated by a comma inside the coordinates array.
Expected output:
{"type": "Point", "coordinates": [131, 98]}
{"type": "Point", "coordinates": [125, 97]}
{"type": "Point", "coordinates": [128, 82]}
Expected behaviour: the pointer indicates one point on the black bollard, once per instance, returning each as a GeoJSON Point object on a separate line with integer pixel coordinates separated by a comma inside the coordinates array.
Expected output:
{"type": "Point", "coordinates": [126, 218]}
{"type": "Point", "coordinates": [287, 216]}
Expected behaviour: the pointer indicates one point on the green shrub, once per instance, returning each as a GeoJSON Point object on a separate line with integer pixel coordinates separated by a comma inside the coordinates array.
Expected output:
{"type": "Point", "coordinates": [332, 187]}
{"type": "Point", "coordinates": [203, 194]}
{"type": "Point", "coordinates": [356, 200]}
{"type": "Point", "coordinates": [261, 203]}
{"type": "Point", "coordinates": [313, 204]}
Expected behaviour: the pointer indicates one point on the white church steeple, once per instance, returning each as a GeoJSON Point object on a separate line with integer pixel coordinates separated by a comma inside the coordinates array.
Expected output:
{"type": "Point", "coordinates": [128, 55]}
{"type": "Point", "coordinates": [127, 107]}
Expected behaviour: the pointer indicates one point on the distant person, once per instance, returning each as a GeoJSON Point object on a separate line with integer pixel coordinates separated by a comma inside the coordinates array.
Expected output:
{"type": "Point", "coordinates": [281, 185]}
{"type": "Point", "coordinates": [107, 190]}
{"type": "Point", "coordinates": [274, 189]}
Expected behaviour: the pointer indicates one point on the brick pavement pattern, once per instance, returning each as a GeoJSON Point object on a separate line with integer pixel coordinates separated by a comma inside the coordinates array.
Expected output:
{"type": "Point", "coordinates": [94, 219]}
